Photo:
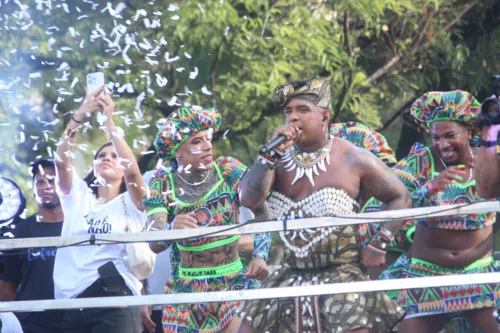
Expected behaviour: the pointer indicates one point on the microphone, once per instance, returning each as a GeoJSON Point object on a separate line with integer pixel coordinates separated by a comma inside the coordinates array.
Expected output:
{"type": "Point", "coordinates": [273, 143]}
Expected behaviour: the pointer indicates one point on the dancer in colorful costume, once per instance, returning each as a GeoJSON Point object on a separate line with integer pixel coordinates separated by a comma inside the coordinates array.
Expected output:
{"type": "Point", "coordinates": [445, 175]}
{"type": "Point", "coordinates": [199, 192]}
{"type": "Point", "coordinates": [320, 175]}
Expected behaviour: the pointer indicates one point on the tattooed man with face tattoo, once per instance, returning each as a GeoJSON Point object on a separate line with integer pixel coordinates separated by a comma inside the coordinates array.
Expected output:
{"type": "Point", "coordinates": [201, 192]}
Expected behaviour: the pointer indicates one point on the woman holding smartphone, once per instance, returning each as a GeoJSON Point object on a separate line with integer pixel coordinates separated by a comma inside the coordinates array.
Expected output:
{"type": "Point", "coordinates": [107, 201]}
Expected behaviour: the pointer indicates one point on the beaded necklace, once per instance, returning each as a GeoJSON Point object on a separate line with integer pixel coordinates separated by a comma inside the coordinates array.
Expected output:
{"type": "Point", "coordinates": [307, 164]}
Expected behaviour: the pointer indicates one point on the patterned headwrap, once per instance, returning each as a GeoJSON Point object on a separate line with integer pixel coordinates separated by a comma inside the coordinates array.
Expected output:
{"type": "Point", "coordinates": [181, 125]}
{"type": "Point", "coordinates": [362, 136]}
{"type": "Point", "coordinates": [457, 105]}
{"type": "Point", "coordinates": [316, 91]}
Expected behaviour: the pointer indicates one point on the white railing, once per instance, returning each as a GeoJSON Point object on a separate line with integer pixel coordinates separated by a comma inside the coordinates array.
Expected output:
{"type": "Point", "coordinates": [257, 227]}
{"type": "Point", "coordinates": [269, 226]}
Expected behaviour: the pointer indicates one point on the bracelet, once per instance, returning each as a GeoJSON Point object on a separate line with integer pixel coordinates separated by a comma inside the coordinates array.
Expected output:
{"type": "Point", "coordinates": [488, 143]}
{"type": "Point", "coordinates": [76, 121]}
{"type": "Point", "coordinates": [375, 250]}
{"type": "Point", "coordinates": [70, 132]}
{"type": "Point", "coordinates": [382, 239]}
{"type": "Point", "coordinates": [266, 161]}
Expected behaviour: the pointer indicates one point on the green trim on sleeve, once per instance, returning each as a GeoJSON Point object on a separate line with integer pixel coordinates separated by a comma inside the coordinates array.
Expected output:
{"type": "Point", "coordinates": [157, 210]}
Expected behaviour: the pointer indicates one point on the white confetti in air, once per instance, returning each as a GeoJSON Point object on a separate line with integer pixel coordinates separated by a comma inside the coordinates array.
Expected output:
{"type": "Point", "coordinates": [187, 55]}
{"type": "Point", "coordinates": [22, 137]}
{"type": "Point", "coordinates": [160, 80]}
{"type": "Point", "coordinates": [193, 74]}
{"type": "Point", "coordinates": [201, 8]}
{"type": "Point", "coordinates": [205, 91]}
{"type": "Point", "coordinates": [119, 8]}
{"type": "Point", "coordinates": [13, 158]}
{"type": "Point", "coordinates": [147, 152]}
{"type": "Point", "coordinates": [35, 75]}
{"type": "Point", "coordinates": [168, 59]}
{"type": "Point", "coordinates": [172, 8]}
{"type": "Point", "coordinates": [74, 82]}
{"type": "Point", "coordinates": [175, 17]}
{"type": "Point", "coordinates": [224, 136]}
{"type": "Point", "coordinates": [159, 163]}
{"type": "Point", "coordinates": [227, 31]}
{"type": "Point", "coordinates": [210, 133]}
{"type": "Point", "coordinates": [172, 101]}
{"type": "Point", "coordinates": [126, 87]}
{"type": "Point", "coordinates": [40, 169]}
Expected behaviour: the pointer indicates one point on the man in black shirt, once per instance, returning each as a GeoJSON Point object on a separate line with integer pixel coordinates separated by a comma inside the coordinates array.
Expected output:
{"type": "Point", "coordinates": [28, 272]}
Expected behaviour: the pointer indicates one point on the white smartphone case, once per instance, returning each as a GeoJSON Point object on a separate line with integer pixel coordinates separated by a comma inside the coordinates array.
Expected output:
{"type": "Point", "coordinates": [94, 81]}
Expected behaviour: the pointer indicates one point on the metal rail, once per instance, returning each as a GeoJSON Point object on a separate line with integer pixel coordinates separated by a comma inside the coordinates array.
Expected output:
{"type": "Point", "coordinates": [268, 293]}
{"type": "Point", "coordinates": [251, 228]}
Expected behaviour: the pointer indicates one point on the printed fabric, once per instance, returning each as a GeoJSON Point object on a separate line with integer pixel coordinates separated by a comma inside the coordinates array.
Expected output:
{"type": "Point", "coordinates": [319, 256]}
{"type": "Point", "coordinates": [219, 207]}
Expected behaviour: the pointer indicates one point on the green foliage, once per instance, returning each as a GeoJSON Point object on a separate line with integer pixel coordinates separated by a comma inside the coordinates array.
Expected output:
{"type": "Point", "coordinates": [377, 53]}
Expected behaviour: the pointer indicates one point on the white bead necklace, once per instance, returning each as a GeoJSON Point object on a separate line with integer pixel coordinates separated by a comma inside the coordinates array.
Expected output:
{"type": "Point", "coordinates": [307, 164]}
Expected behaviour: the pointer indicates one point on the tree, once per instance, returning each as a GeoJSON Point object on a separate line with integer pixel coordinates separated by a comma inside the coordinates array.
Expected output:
{"type": "Point", "coordinates": [379, 55]}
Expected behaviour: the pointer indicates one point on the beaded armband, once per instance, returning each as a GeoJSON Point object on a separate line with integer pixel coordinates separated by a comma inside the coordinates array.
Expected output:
{"type": "Point", "coordinates": [382, 239]}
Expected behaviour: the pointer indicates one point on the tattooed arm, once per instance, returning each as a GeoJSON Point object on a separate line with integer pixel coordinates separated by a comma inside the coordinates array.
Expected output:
{"type": "Point", "coordinates": [488, 166]}
{"type": "Point", "coordinates": [378, 181]}
{"type": "Point", "coordinates": [156, 222]}
{"type": "Point", "coordinates": [256, 185]}
{"type": "Point", "coordinates": [262, 241]}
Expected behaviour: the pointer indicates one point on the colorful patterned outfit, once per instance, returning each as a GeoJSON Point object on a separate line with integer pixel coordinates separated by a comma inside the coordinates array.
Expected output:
{"type": "Point", "coordinates": [404, 237]}
{"type": "Point", "coordinates": [362, 136]}
{"type": "Point", "coordinates": [444, 299]}
{"type": "Point", "coordinates": [219, 207]}
{"type": "Point", "coordinates": [317, 256]}
{"type": "Point", "coordinates": [461, 107]}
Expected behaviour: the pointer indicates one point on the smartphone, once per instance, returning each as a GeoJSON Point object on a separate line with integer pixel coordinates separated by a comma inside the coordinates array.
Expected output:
{"type": "Point", "coordinates": [94, 82]}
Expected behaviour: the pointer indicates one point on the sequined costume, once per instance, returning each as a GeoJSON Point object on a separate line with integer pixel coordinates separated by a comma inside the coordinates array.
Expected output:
{"type": "Point", "coordinates": [318, 256]}
{"type": "Point", "coordinates": [219, 207]}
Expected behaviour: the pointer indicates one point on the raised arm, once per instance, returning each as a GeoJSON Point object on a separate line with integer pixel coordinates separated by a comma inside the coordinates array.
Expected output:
{"type": "Point", "coordinates": [256, 185]}
{"type": "Point", "coordinates": [136, 187]}
{"type": "Point", "coordinates": [66, 144]}
{"type": "Point", "coordinates": [259, 179]}
{"type": "Point", "coordinates": [488, 166]}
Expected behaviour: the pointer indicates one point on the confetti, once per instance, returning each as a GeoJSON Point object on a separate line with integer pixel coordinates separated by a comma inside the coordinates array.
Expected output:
{"type": "Point", "coordinates": [193, 74]}
{"type": "Point", "coordinates": [35, 75]}
{"type": "Point", "coordinates": [205, 91]}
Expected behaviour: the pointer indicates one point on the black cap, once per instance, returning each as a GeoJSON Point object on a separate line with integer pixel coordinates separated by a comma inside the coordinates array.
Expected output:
{"type": "Point", "coordinates": [44, 162]}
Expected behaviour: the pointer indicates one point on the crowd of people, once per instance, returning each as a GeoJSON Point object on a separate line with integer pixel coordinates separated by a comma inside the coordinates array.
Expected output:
{"type": "Point", "coordinates": [318, 169]}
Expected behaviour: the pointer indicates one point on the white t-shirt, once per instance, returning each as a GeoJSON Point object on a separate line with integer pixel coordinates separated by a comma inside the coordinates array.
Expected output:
{"type": "Point", "coordinates": [10, 324]}
{"type": "Point", "coordinates": [75, 267]}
